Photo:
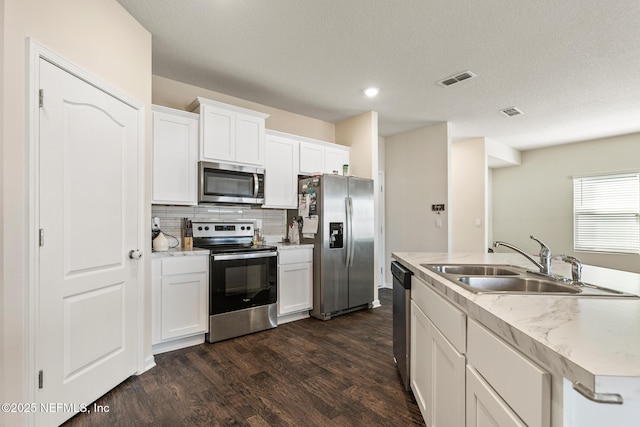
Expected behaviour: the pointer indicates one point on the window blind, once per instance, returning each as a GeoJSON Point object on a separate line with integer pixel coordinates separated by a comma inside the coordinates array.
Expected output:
{"type": "Point", "coordinates": [606, 213]}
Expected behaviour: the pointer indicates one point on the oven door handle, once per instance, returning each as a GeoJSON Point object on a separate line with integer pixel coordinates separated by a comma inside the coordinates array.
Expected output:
{"type": "Point", "coordinates": [231, 257]}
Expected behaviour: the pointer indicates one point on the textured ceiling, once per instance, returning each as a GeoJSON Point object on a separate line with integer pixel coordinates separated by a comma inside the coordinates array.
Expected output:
{"type": "Point", "coordinates": [571, 66]}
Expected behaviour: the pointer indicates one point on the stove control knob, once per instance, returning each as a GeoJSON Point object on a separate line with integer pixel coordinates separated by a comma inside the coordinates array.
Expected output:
{"type": "Point", "coordinates": [248, 227]}
{"type": "Point", "coordinates": [242, 228]}
{"type": "Point", "coordinates": [199, 228]}
{"type": "Point", "coordinates": [207, 227]}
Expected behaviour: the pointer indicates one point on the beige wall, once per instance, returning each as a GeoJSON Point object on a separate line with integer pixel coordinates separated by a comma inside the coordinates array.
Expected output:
{"type": "Point", "coordinates": [537, 197]}
{"type": "Point", "coordinates": [175, 94]}
{"type": "Point", "coordinates": [361, 134]}
{"type": "Point", "coordinates": [103, 39]}
{"type": "Point", "coordinates": [417, 174]}
{"type": "Point", "coordinates": [469, 196]}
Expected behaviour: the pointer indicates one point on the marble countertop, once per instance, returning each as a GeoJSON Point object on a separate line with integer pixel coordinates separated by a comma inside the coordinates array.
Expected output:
{"type": "Point", "coordinates": [179, 252]}
{"type": "Point", "coordinates": [593, 341]}
{"type": "Point", "coordinates": [292, 246]}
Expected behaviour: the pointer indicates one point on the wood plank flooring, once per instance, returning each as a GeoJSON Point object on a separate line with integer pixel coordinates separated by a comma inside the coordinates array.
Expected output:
{"type": "Point", "coordinates": [305, 373]}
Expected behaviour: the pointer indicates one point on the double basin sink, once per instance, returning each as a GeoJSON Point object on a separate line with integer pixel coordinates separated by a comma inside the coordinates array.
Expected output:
{"type": "Point", "coordinates": [509, 279]}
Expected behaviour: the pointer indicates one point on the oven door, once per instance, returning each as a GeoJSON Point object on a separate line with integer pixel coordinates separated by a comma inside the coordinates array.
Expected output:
{"type": "Point", "coordinates": [242, 280]}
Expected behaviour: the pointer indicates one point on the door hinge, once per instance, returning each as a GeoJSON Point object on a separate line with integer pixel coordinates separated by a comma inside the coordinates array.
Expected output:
{"type": "Point", "coordinates": [41, 98]}
{"type": "Point", "coordinates": [40, 378]}
{"type": "Point", "coordinates": [41, 238]}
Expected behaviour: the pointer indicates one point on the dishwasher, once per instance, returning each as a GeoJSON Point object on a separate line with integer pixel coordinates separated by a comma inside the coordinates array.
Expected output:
{"type": "Point", "coordinates": [402, 320]}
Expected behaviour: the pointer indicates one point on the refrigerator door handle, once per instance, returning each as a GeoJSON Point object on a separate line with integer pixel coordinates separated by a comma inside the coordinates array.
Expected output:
{"type": "Point", "coordinates": [347, 201]}
{"type": "Point", "coordinates": [351, 245]}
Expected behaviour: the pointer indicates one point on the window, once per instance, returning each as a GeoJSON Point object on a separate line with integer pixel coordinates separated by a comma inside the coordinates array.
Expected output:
{"type": "Point", "coordinates": [606, 213]}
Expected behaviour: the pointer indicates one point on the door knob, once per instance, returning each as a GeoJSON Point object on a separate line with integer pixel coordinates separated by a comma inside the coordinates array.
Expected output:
{"type": "Point", "coordinates": [135, 254]}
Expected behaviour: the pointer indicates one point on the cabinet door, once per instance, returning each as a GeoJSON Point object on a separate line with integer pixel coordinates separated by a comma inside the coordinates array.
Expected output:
{"type": "Point", "coordinates": [295, 288]}
{"type": "Point", "coordinates": [156, 300]}
{"type": "Point", "coordinates": [249, 139]}
{"type": "Point", "coordinates": [485, 408]}
{"type": "Point", "coordinates": [218, 134]}
{"type": "Point", "coordinates": [437, 374]}
{"type": "Point", "coordinates": [311, 158]}
{"type": "Point", "coordinates": [175, 157]}
{"type": "Point", "coordinates": [281, 173]}
{"type": "Point", "coordinates": [184, 305]}
{"type": "Point", "coordinates": [334, 159]}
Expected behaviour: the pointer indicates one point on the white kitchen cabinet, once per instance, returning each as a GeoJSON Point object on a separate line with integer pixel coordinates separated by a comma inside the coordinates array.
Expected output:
{"type": "Point", "coordinates": [437, 366]}
{"type": "Point", "coordinates": [295, 283]}
{"type": "Point", "coordinates": [281, 171]}
{"type": "Point", "coordinates": [230, 134]}
{"type": "Point", "coordinates": [180, 291]}
{"type": "Point", "coordinates": [175, 157]}
{"type": "Point", "coordinates": [334, 159]}
{"type": "Point", "coordinates": [317, 157]}
{"type": "Point", "coordinates": [485, 408]}
{"type": "Point", "coordinates": [520, 384]}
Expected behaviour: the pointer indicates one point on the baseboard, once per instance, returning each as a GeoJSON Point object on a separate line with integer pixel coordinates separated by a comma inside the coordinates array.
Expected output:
{"type": "Point", "coordinates": [376, 304]}
{"type": "Point", "coordinates": [149, 363]}
{"type": "Point", "coordinates": [179, 343]}
{"type": "Point", "coordinates": [293, 317]}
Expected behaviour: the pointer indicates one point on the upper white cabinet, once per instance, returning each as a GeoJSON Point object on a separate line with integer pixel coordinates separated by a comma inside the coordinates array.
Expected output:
{"type": "Point", "coordinates": [230, 134]}
{"type": "Point", "coordinates": [175, 156]}
{"type": "Point", "coordinates": [317, 157]}
{"type": "Point", "coordinates": [281, 171]}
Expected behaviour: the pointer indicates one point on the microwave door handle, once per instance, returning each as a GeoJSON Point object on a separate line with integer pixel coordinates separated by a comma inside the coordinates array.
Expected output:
{"type": "Point", "coordinates": [256, 185]}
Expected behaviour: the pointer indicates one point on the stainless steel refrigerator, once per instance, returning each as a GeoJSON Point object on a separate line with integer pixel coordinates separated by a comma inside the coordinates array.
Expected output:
{"type": "Point", "coordinates": [343, 260]}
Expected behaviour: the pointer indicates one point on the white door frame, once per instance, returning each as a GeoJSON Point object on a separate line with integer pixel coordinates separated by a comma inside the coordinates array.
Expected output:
{"type": "Point", "coordinates": [35, 52]}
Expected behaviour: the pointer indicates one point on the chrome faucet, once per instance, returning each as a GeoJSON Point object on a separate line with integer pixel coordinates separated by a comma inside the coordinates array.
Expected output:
{"type": "Point", "coordinates": [545, 255]}
{"type": "Point", "coordinates": [576, 267]}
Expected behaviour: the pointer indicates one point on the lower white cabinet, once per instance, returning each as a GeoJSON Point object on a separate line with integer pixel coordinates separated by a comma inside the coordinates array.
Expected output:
{"type": "Point", "coordinates": [485, 408]}
{"type": "Point", "coordinates": [437, 373]}
{"type": "Point", "coordinates": [295, 283]}
{"type": "Point", "coordinates": [180, 291]}
{"type": "Point", "coordinates": [521, 384]}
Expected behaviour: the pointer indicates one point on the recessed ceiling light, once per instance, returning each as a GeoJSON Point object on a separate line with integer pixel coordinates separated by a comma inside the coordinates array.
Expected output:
{"type": "Point", "coordinates": [371, 91]}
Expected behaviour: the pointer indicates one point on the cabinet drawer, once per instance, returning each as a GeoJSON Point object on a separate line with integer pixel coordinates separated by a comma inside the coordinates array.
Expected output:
{"type": "Point", "coordinates": [524, 386]}
{"type": "Point", "coordinates": [185, 265]}
{"type": "Point", "coordinates": [448, 319]}
{"type": "Point", "coordinates": [294, 256]}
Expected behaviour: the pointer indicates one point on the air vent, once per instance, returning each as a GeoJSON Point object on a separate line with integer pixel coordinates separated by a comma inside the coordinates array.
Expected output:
{"type": "Point", "coordinates": [465, 75]}
{"type": "Point", "coordinates": [511, 112]}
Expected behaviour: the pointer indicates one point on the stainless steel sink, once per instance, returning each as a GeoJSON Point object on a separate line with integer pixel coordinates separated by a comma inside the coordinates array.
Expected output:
{"type": "Point", "coordinates": [517, 285]}
{"type": "Point", "coordinates": [509, 279]}
{"type": "Point", "coordinates": [475, 270]}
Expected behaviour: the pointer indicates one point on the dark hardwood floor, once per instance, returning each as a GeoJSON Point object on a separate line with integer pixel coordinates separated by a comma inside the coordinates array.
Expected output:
{"type": "Point", "coordinates": [305, 373]}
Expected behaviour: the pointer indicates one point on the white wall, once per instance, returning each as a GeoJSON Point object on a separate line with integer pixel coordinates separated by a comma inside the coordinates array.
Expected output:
{"type": "Point", "coordinates": [103, 39]}
{"type": "Point", "coordinates": [417, 174]}
{"type": "Point", "coordinates": [469, 196]}
{"type": "Point", "coordinates": [537, 197]}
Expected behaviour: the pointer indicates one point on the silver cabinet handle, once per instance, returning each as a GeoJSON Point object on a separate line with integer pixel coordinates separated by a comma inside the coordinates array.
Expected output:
{"type": "Point", "coordinates": [135, 254]}
{"type": "Point", "coordinates": [611, 398]}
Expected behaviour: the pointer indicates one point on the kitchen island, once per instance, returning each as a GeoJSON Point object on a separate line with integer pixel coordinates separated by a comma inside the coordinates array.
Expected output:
{"type": "Point", "coordinates": [593, 343]}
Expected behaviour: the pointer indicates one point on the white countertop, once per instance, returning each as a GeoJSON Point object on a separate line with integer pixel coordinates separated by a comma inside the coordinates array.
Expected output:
{"type": "Point", "coordinates": [180, 252]}
{"type": "Point", "coordinates": [292, 246]}
{"type": "Point", "coordinates": [593, 341]}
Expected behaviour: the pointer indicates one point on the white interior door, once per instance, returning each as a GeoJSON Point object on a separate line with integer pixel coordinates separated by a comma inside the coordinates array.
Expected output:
{"type": "Point", "coordinates": [87, 327]}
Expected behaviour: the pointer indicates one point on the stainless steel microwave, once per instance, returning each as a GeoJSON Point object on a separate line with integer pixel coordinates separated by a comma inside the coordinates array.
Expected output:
{"type": "Point", "coordinates": [220, 183]}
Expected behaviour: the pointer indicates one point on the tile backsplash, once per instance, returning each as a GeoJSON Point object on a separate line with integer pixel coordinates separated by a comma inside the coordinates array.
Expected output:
{"type": "Point", "coordinates": [273, 220]}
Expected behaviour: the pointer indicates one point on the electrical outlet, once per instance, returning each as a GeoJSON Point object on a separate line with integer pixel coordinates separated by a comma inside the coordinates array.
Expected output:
{"type": "Point", "coordinates": [155, 223]}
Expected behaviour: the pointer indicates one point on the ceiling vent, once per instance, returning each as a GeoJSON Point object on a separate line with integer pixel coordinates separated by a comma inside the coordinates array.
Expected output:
{"type": "Point", "coordinates": [511, 112]}
{"type": "Point", "coordinates": [449, 81]}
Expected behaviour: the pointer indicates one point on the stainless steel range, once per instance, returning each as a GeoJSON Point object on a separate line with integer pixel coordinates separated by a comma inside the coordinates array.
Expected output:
{"type": "Point", "coordinates": [243, 285]}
